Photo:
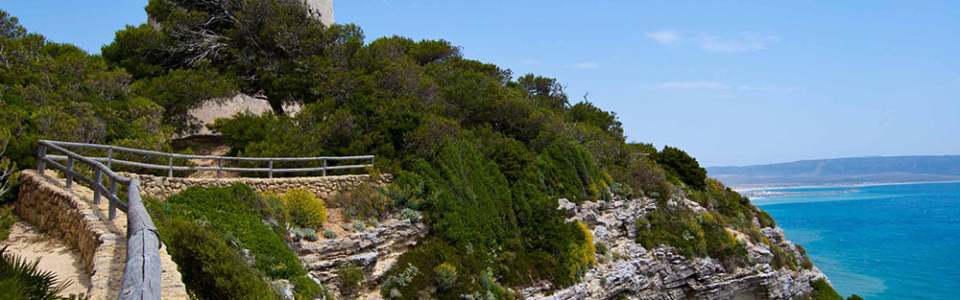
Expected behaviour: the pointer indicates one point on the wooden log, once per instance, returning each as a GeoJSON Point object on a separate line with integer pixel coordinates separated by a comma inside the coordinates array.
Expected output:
{"type": "Point", "coordinates": [142, 274]}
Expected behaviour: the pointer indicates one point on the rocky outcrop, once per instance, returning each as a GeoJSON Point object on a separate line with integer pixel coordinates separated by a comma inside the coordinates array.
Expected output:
{"type": "Point", "coordinates": [633, 272]}
{"type": "Point", "coordinates": [375, 250]}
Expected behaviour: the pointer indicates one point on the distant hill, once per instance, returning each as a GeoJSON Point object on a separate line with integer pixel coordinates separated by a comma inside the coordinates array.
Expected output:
{"type": "Point", "coordinates": [843, 171]}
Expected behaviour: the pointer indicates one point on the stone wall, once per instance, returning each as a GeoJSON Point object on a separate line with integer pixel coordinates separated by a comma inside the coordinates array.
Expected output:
{"type": "Point", "coordinates": [65, 215]}
{"type": "Point", "coordinates": [324, 187]}
{"type": "Point", "coordinates": [71, 216]}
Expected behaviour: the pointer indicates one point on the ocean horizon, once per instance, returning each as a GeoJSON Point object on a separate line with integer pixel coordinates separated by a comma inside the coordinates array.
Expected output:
{"type": "Point", "coordinates": [893, 241]}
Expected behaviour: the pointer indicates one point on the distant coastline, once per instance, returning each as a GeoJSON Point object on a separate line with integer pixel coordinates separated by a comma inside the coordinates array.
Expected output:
{"type": "Point", "coordinates": [749, 188]}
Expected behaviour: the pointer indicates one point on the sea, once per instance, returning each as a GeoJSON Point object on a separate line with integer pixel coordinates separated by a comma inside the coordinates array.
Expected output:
{"type": "Point", "coordinates": [898, 241]}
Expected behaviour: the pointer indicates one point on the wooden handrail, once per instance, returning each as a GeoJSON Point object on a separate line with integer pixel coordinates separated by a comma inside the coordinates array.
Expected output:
{"type": "Point", "coordinates": [142, 273]}
{"type": "Point", "coordinates": [170, 167]}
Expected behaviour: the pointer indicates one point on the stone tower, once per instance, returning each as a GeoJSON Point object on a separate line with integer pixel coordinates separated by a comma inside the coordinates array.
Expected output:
{"type": "Point", "coordinates": [324, 8]}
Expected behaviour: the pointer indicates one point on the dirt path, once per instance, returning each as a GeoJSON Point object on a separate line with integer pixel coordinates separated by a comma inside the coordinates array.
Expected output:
{"type": "Point", "coordinates": [55, 256]}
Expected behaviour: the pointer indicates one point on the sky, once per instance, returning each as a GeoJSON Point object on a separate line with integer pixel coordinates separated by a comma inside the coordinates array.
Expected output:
{"type": "Point", "coordinates": [732, 83]}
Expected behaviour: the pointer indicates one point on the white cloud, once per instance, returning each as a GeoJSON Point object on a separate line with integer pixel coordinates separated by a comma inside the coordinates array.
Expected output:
{"type": "Point", "coordinates": [586, 65]}
{"type": "Point", "coordinates": [666, 37]}
{"type": "Point", "coordinates": [530, 61]}
{"type": "Point", "coordinates": [746, 41]}
{"type": "Point", "coordinates": [694, 85]}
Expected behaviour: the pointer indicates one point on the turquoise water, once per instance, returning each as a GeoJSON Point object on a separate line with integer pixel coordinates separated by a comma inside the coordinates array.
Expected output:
{"type": "Point", "coordinates": [880, 242]}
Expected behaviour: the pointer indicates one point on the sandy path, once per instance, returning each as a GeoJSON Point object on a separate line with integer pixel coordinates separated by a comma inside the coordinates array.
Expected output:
{"type": "Point", "coordinates": [54, 255]}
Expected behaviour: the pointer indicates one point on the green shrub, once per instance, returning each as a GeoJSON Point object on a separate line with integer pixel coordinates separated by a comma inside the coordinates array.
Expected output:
{"type": "Point", "coordinates": [200, 221]}
{"type": "Point", "coordinates": [681, 166]}
{"type": "Point", "coordinates": [304, 208]}
{"type": "Point", "coordinates": [329, 234]}
{"type": "Point", "coordinates": [854, 297]}
{"type": "Point", "coordinates": [391, 283]}
{"type": "Point", "coordinates": [305, 288]}
{"type": "Point", "coordinates": [693, 235]}
{"type": "Point", "coordinates": [7, 219]}
{"type": "Point", "coordinates": [602, 248]}
{"type": "Point", "coordinates": [350, 278]}
{"type": "Point", "coordinates": [782, 258]}
{"type": "Point", "coordinates": [569, 171]}
{"type": "Point", "coordinates": [806, 264]}
{"type": "Point", "coordinates": [310, 234]}
{"type": "Point", "coordinates": [357, 226]}
{"type": "Point", "coordinates": [446, 276]}
{"type": "Point", "coordinates": [363, 202]}
{"type": "Point", "coordinates": [411, 215]}
{"type": "Point", "coordinates": [823, 291]}
{"type": "Point", "coordinates": [211, 268]}
{"type": "Point", "coordinates": [22, 279]}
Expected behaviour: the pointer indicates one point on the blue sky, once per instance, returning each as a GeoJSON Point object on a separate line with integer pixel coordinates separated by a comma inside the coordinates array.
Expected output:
{"type": "Point", "coordinates": [732, 83]}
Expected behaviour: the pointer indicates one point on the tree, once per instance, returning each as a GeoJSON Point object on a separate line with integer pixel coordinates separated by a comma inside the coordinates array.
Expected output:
{"type": "Point", "coordinates": [680, 165]}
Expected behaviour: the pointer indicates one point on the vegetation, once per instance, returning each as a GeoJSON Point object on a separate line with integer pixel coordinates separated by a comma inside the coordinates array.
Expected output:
{"type": "Point", "coordinates": [364, 202]}
{"type": "Point", "coordinates": [446, 276]}
{"type": "Point", "coordinates": [823, 291]}
{"type": "Point", "coordinates": [479, 156]}
{"type": "Point", "coordinates": [23, 280]}
{"type": "Point", "coordinates": [350, 279]}
{"type": "Point", "coordinates": [303, 208]}
{"type": "Point", "coordinates": [219, 234]}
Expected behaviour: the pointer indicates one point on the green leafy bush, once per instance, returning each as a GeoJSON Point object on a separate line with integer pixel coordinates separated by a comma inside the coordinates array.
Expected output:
{"type": "Point", "coordinates": [329, 234]}
{"type": "Point", "coordinates": [211, 268]}
{"type": "Point", "coordinates": [304, 208]}
{"type": "Point", "coordinates": [823, 291]}
{"type": "Point", "coordinates": [206, 229]}
{"type": "Point", "coordinates": [350, 279]}
{"type": "Point", "coordinates": [446, 276]}
{"type": "Point", "coordinates": [692, 234]}
{"type": "Point", "coordinates": [7, 219]}
{"type": "Point", "coordinates": [681, 166]}
{"type": "Point", "coordinates": [305, 288]}
{"type": "Point", "coordinates": [310, 234]}
{"type": "Point", "coordinates": [570, 172]}
{"type": "Point", "coordinates": [363, 202]}
{"type": "Point", "coordinates": [411, 215]}
{"type": "Point", "coordinates": [602, 248]}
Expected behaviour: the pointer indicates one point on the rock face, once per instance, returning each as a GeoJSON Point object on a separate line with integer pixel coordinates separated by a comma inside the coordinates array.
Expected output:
{"type": "Point", "coordinates": [375, 250]}
{"type": "Point", "coordinates": [634, 272]}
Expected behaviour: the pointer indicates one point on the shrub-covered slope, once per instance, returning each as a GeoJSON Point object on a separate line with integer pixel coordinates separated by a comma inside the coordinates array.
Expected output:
{"type": "Point", "coordinates": [483, 154]}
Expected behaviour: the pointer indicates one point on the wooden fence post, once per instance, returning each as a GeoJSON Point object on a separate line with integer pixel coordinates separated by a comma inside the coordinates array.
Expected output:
{"type": "Point", "coordinates": [69, 172]}
{"type": "Point", "coordinates": [109, 157]}
{"type": "Point", "coordinates": [271, 169]}
{"type": "Point", "coordinates": [170, 164]}
{"type": "Point", "coordinates": [220, 168]}
{"type": "Point", "coordinates": [324, 166]}
{"type": "Point", "coordinates": [97, 178]}
{"type": "Point", "coordinates": [113, 207]}
{"type": "Point", "coordinates": [41, 155]}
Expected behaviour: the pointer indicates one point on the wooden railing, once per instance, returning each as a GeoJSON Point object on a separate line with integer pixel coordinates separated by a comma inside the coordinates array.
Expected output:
{"type": "Point", "coordinates": [141, 275]}
{"type": "Point", "coordinates": [109, 159]}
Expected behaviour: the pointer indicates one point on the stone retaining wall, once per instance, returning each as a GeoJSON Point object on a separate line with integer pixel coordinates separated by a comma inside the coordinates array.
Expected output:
{"type": "Point", "coordinates": [65, 215]}
{"type": "Point", "coordinates": [324, 187]}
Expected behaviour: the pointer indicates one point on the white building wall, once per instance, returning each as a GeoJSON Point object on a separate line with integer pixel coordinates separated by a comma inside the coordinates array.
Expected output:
{"type": "Point", "coordinates": [325, 8]}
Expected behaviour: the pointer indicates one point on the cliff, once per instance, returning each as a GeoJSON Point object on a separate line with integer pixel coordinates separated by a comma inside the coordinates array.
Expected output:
{"type": "Point", "coordinates": [630, 271]}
